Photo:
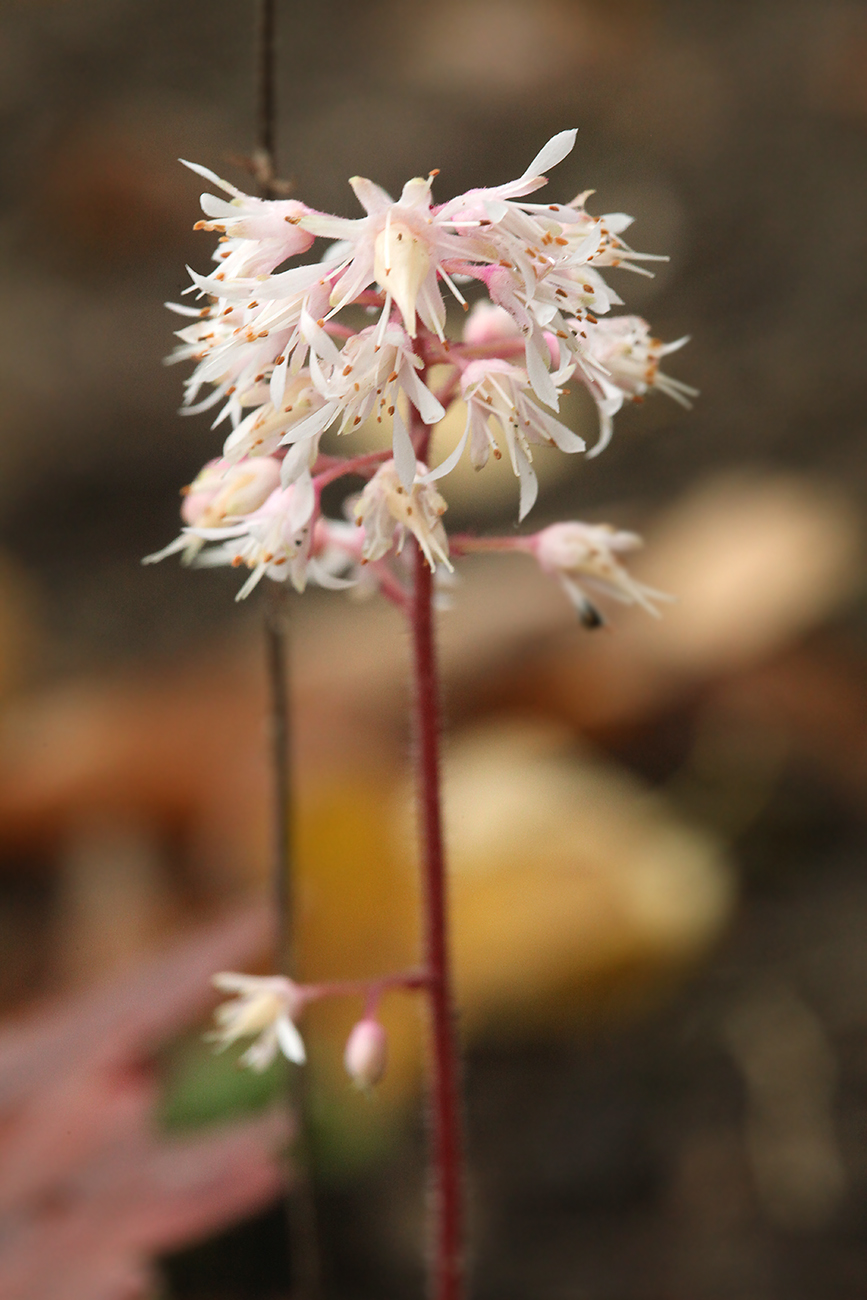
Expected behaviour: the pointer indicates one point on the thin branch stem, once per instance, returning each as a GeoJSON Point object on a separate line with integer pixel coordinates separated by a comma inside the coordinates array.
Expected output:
{"type": "Point", "coordinates": [410, 980]}
{"type": "Point", "coordinates": [351, 465]}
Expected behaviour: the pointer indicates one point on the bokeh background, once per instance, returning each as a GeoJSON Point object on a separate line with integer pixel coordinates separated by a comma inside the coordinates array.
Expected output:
{"type": "Point", "coordinates": [657, 832]}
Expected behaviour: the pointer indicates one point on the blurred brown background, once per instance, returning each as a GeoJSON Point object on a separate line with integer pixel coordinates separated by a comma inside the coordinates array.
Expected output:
{"type": "Point", "coordinates": [657, 833]}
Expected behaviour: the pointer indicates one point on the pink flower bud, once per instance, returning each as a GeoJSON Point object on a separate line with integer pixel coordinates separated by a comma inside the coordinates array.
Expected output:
{"type": "Point", "coordinates": [366, 1053]}
{"type": "Point", "coordinates": [488, 323]}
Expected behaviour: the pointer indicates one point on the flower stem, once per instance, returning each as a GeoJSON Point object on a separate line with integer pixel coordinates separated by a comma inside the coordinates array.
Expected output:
{"type": "Point", "coordinates": [445, 1117]}
{"type": "Point", "coordinates": [276, 649]}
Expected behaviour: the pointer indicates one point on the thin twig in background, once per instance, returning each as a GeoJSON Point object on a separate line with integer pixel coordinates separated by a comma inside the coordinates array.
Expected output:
{"type": "Point", "coordinates": [300, 1201]}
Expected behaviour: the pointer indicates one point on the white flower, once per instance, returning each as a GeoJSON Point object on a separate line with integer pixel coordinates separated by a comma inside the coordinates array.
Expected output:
{"type": "Point", "coordinates": [586, 555]}
{"type": "Point", "coordinates": [364, 379]}
{"type": "Point", "coordinates": [402, 246]}
{"type": "Point", "coordinates": [605, 247]}
{"type": "Point", "coordinates": [248, 335]}
{"type": "Point", "coordinates": [261, 432]}
{"type": "Point", "coordinates": [628, 361]}
{"type": "Point", "coordinates": [258, 234]}
{"type": "Point", "coordinates": [385, 507]}
{"type": "Point", "coordinates": [263, 1005]}
{"type": "Point", "coordinates": [499, 394]}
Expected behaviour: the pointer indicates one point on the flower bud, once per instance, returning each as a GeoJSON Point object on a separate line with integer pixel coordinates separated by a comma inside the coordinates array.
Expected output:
{"type": "Point", "coordinates": [488, 323]}
{"type": "Point", "coordinates": [366, 1053]}
{"type": "Point", "coordinates": [222, 491]}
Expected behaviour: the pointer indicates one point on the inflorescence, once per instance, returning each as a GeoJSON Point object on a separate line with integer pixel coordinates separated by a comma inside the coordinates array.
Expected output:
{"type": "Point", "coordinates": [281, 368]}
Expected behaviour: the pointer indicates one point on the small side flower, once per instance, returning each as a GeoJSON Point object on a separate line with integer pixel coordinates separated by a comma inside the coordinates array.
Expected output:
{"type": "Point", "coordinates": [585, 555]}
{"type": "Point", "coordinates": [266, 1006]}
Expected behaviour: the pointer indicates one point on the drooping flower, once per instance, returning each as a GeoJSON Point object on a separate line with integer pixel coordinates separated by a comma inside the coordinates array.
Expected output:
{"type": "Point", "coordinates": [499, 395]}
{"type": "Point", "coordinates": [387, 511]}
{"type": "Point", "coordinates": [264, 1006]}
{"type": "Point", "coordinates": [364, 379]}
{"type": "Point", "coordinates": [585, 555]}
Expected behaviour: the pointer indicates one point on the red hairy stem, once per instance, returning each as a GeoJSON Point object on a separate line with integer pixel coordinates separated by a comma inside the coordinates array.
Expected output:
{"type": "Point", "coordinates": [446, 1152]}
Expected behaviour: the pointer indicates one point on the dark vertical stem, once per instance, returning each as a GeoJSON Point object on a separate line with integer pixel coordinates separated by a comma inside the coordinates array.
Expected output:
{"type": "Point", "coordinates": [276, 649]}
{"type": "Point", "coordinates": [266, 104]}
{"type": "Point", "coordinates": [446, 1142]}
{"type": "Point", "coordinates": [300, 1203]}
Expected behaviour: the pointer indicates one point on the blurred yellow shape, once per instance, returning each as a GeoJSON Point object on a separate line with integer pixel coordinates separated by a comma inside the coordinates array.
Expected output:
{"type": "Point", "coordinates": [575, 894]}
{"type": "Point", "coordinates": [574, 889]}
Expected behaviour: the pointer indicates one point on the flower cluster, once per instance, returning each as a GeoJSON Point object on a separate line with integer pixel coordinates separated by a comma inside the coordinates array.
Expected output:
{"type": "Point", "coordinates": [266, 1007]}
{"type": "Point", "coordinates": [281, 370]}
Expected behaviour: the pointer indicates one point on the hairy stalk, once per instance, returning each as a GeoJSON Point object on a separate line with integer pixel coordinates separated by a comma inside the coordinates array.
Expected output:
{"type": "Point", "coordinates": [446, 1155]}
